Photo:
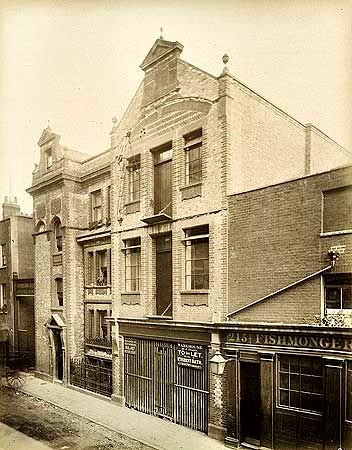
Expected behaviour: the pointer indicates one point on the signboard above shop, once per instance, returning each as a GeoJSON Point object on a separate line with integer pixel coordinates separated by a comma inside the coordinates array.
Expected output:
{"type": "Point", "coordinates": [317, 342]}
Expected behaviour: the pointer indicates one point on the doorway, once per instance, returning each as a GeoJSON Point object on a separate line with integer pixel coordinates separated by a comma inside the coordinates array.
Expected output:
{"type": "Point", "coordinates": [250, 403]}
{"type": "Point", "coordinates": [25, 329]}
{"type": "Point", "coordinates": [164, 275]}
{"type": "Point", "coordinates": [58, 369]}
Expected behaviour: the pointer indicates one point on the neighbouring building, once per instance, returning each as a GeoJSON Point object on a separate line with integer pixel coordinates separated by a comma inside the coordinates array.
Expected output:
{"type": "Point", "coordinates": [289, 335]}
{"type": "Point", "coordinates": [16, 284]}
{"type": "Point", "coordinates": [140, 265]}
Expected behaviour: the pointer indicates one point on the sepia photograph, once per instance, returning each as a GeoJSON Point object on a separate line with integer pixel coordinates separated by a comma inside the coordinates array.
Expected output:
{"type": "Point", "coordinates": [176, 224]}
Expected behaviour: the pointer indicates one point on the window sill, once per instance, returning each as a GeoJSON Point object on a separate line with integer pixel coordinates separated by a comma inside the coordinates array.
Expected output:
{"type": "Point", "coordinates": [335, 233]}
{"type": "Point", "coordinates": [186, 186]}
{"type": "Point", "coordinates": [155, 317]}
{"type": "Point", "coordinates": [339, 311]}
{"type": "Point", "coordinates": [130, 298]}
{"type": "Point", "coordinates": [3, 267]}
{"type": "Point", "coordinates": [132, 202]}
{"type": "Point", "coordinates": [195, 291]}
{"type": "Point", "coordinates": [191, 191]}
{"type": "Point", "coordinates": [194, 298]}
{"type": "Point", "coordinates": [132, 207]}
{"type": "Point", "coordinates": [57, 308]}
{"type": "Point", "coordinates": [131, 293]}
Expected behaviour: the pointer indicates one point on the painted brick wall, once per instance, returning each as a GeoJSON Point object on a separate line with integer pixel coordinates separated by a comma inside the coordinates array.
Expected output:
{"type": "Point", "coordinates": [274, 240]}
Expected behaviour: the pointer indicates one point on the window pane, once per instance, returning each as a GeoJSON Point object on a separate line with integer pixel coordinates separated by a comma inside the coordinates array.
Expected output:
{"type": "Point", "coordinates": [284, 380]}
{"type": "Point", "coordinates": [284, 363]}
{"type": "Point", "coordinates": [195, 177]}
{"type": "Point", "coordinates": [306, 383]}
{"type": "Point", "coordinates": [347, 297]}
{"type": "Point", "coordinates": [333, 297]}
{"type": "Point", "coordinates": [284, 398]}
{"type": "Point", "coordinates": [295, 382]}
{"type": "Point", "coordinates": [294, 365]}
{"type": "Point", "coordinates": [295, 399]}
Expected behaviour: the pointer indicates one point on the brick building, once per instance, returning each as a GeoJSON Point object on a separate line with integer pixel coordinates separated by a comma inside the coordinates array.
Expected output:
{"type": "Point", "coordinates": [134, 280]}
{"type": "Point", "coordinates": [289, 339]}
{"type": "Point", "coordinates": [16, 283]}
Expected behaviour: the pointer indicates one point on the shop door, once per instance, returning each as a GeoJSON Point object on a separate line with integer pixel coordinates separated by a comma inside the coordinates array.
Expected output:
{"type": "Point", "coordinates": [250, 403]}
{"type": "Point", "coordinates": [164, 275]}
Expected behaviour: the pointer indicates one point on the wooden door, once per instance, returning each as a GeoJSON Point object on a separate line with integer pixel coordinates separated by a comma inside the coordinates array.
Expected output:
{"type": "Point", "coordinates": [250, 403]}
{"type": "Point", "coordinates": [25, 329]}
{"type": "Point", "coordinates": [164, 275]}
{"type": "Point", "coordinates": [162, 187]}
{"type": "Point", "coordinates": [158, 384]}
{"type": "Point", "coordinates": [58, 355]}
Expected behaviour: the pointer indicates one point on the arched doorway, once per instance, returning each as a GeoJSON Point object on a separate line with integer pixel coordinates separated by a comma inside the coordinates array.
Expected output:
{"type": "Point", "coordinates": [56, 328]}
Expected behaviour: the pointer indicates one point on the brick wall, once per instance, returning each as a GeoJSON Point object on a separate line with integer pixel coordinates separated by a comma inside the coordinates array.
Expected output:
{"type": "Point", "coordinates": [274, 240]}
{"type": "Point", "coordinates": [42, 298]}
{"type": "Point", "coordinates": [25, 247]}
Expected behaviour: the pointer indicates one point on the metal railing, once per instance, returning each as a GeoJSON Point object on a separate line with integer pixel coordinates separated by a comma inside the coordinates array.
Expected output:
{"type": "Point", "coordinates": [90, 376]}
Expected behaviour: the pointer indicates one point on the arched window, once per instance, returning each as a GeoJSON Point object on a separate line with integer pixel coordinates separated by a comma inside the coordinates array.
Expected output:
{"type": "Point", "coordinates": [40, 227]}
{"type": "Point", "coordinates": [58, 235]}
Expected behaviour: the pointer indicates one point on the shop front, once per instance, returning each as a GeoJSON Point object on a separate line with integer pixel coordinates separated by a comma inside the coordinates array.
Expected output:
{"type": "Point", "coordinates": [288, 387]}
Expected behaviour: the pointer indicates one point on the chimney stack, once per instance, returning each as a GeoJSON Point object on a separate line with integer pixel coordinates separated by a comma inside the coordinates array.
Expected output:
{"type": "Point", "coordinates": [10, 207]}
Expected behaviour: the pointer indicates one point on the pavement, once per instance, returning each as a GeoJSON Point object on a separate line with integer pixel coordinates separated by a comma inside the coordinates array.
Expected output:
{"type": "Point", "coordinates": [153, 431]}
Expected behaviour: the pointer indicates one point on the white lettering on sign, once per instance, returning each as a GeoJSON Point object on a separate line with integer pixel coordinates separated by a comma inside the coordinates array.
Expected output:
{"type": "Point", "coordinates": [190, 355]}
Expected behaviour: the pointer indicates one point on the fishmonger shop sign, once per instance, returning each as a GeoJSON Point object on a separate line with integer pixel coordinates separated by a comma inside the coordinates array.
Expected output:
{"type": "Point", "coordinates": [287, 340]}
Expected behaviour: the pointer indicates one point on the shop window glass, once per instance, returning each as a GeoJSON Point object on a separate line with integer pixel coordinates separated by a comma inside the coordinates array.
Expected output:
{"type": "Point", "coordinates": [301, 383]}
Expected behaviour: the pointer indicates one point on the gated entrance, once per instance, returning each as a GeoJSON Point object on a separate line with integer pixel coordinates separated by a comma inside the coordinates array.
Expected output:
{"type": "Point", "coordinates": [168, 380]}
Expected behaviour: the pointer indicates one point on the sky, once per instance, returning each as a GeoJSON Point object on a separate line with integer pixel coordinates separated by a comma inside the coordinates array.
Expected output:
{"type": "Point", "coordinates": [76, 64]}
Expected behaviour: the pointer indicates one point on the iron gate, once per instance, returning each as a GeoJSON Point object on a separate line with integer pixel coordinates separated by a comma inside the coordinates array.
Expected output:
{"type": "Point", "coordinates": [167, 379]}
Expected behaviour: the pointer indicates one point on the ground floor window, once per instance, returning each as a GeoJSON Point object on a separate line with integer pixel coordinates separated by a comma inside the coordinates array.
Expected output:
{"type": "Point", "coordinates": [301, 383]}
